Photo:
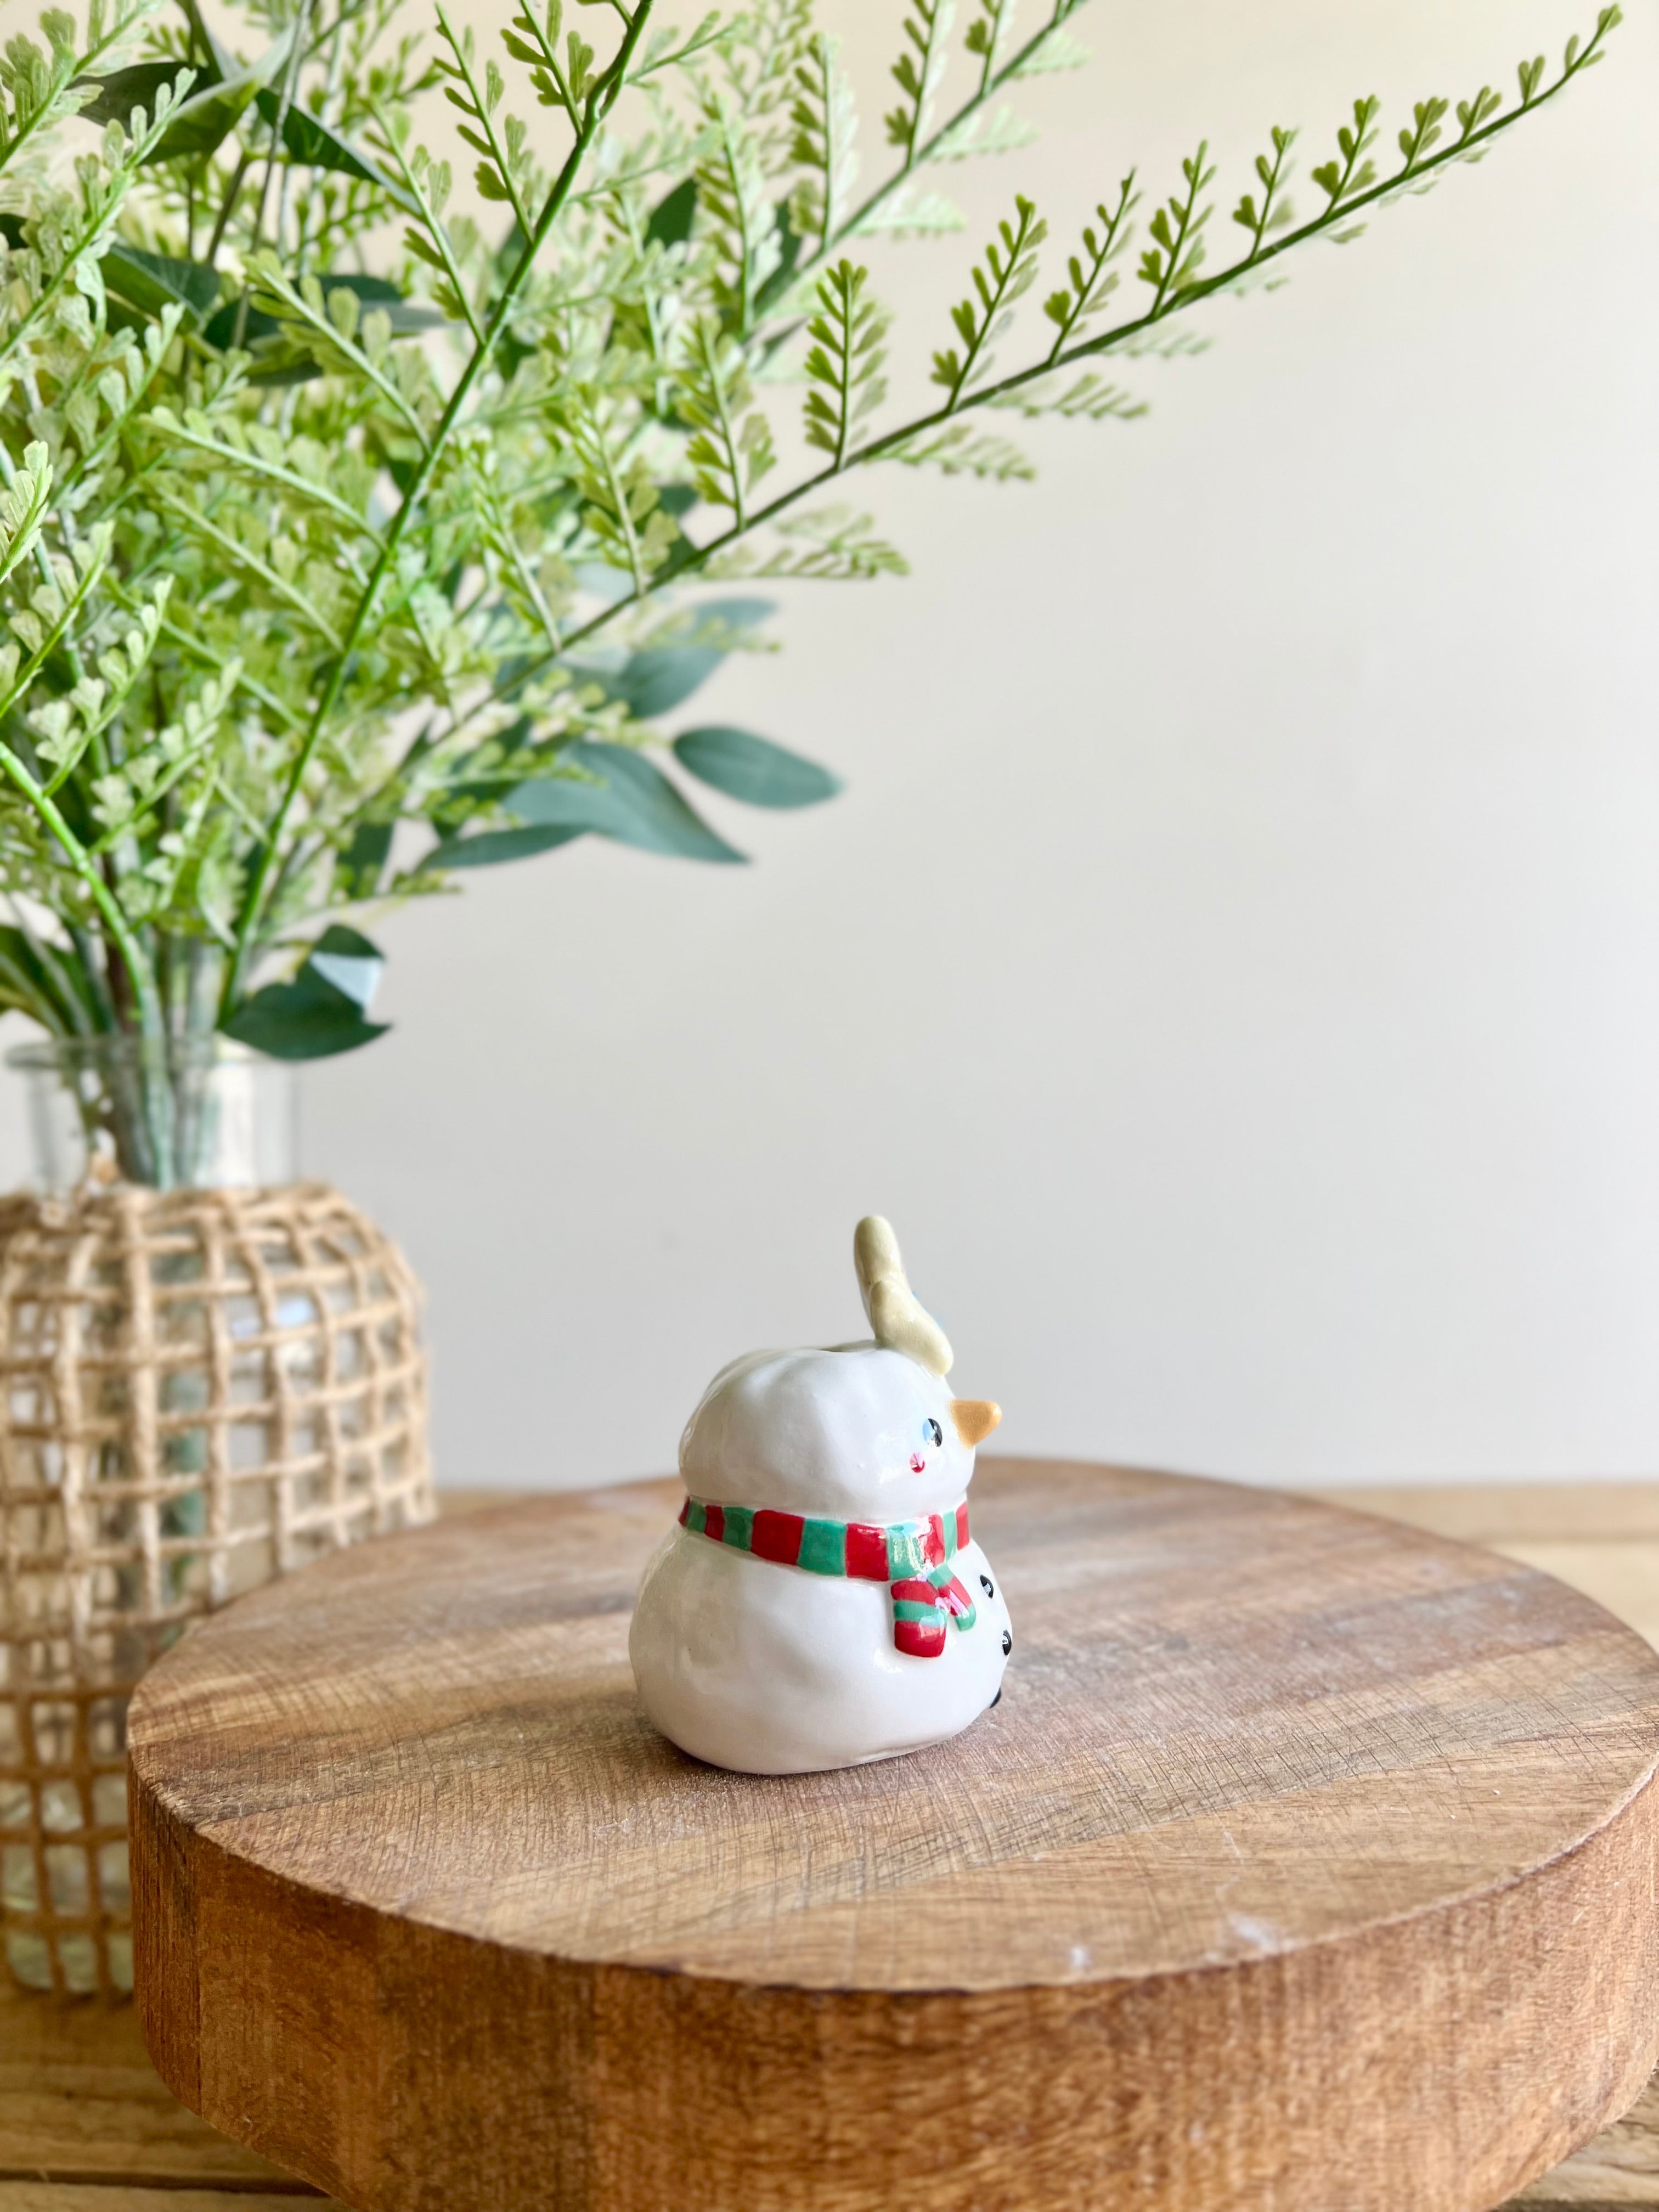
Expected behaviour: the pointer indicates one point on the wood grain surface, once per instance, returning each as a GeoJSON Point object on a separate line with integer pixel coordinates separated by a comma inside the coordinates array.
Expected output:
{"type": "Point", "coordinates": [87, 2126]}
{"type": "Point", "coordinates": [1308, 1862]}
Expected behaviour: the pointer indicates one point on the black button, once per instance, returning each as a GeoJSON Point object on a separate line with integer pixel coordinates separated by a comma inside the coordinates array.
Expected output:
{"type": "Point", "coordinates": [1007, 1643]}
{"type": "Point", "coordinates": [987, 1585]}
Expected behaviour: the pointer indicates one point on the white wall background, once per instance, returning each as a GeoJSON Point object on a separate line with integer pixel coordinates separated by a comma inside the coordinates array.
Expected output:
{"type": "Point", "coordinates": [1233, 964]}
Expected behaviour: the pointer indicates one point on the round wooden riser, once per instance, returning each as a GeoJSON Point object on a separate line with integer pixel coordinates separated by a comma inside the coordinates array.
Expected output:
{"type": "Point", "coordinates": [1309, 1863]}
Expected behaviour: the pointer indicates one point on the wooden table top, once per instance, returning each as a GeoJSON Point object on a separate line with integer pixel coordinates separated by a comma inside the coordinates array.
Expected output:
{"type": "Point", "coordinates": [85, 2125]}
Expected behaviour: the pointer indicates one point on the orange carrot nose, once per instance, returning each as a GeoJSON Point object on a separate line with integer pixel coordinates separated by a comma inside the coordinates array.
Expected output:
{"type": "Point", "coordinates": [973, 1418]}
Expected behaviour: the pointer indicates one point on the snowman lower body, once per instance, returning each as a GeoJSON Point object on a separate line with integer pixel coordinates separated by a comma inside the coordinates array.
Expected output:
{"type": "Point", "coordinates": [770, 1669]}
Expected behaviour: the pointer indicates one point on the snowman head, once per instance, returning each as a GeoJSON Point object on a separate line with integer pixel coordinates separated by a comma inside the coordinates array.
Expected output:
{"type": "Point", "coordinates": [863, 1432]}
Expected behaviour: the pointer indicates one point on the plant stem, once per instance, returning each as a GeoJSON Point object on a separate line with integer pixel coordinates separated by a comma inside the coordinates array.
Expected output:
{"type": "Point", "coordinates": [290, 88]}
{"type": "Point", "coordinates": [279, 124]}
{"type": "Point", "coordinates": [233, 193]}
{"type": "Point", "coordinates": [116, 924]}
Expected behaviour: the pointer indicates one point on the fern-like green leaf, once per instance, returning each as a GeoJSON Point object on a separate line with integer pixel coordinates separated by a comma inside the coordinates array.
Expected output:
{"type": "Point", "coordinates": [845, 361]}
{"type": "Point", "coordinates": [1002, 276]}
{"type": "Point", "coordinates": [917, 73]}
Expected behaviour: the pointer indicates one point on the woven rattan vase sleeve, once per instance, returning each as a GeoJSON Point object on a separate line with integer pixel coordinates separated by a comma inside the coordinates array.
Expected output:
{"type": "Point", "coordinates": [201, 1389]}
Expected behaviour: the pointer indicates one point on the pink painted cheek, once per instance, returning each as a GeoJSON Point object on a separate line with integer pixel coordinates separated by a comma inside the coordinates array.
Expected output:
{"type": "Point", "coordinates": [918, 1464]}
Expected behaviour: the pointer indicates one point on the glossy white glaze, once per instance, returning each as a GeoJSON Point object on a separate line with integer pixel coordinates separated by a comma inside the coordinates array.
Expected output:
{"type": "Point", "coordinates": [773, 1670]}
{"type": "Point", "coordinates": [832, 1432]}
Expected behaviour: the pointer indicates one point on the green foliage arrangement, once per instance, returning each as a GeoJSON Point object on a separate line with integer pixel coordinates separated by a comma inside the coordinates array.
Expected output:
{"type": "Point", "coordinates": [344, 538]}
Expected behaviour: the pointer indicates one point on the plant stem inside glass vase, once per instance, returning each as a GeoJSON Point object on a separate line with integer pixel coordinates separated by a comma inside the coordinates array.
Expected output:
{"type": "Point", "coordinates": [171, 1112]}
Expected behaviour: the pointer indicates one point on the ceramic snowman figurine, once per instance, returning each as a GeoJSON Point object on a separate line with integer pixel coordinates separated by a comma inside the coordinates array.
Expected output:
{"type": "Point", "coordinates": [820, 1601]}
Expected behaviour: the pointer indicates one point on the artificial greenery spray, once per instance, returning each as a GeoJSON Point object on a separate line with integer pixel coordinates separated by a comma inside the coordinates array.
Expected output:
{"type": "Point", "coordinates": [344, 540]}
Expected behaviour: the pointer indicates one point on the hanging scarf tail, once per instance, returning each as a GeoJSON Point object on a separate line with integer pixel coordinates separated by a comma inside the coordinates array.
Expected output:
{"type": "Point", "coordinates": [922, 1609]}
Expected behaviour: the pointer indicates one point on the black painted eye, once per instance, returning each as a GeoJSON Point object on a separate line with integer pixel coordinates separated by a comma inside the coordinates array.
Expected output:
{"type": "Point", "coordinates": [936, 1432]}
{"type": "Point", "coordinates": [1007, 1643]}
{"type": "Point", "coordinates": [986, 1584]}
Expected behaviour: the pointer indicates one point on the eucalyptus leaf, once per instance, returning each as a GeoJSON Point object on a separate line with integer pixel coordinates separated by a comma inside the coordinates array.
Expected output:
{"type": "Point", "coordinates": [406, 316]}
{"type": "Point", "coordinates": [345, 958]}
{"type": "Point", "coordinates": [672, 216]}
{"type": "Point", "coordinates": [627, 799]}
{"type": "Point", "coordinates": [301, 1020]}
{"type": "Point", "coordinates": [204, 119]}
{"type": "Point", "coordinates": [727, 617]}
{"type": "Point", "coordinates": [260, 329]}
{"type": "Point", "coordinates": [309, 139]}
{"type": "Point", "coordinates": [753, 768]}
{"type": "Point", "coordinates": [322, 1011]}
{"type": "Point", "coordinates": [220, 94]}
{"type": "Point", "coordinates": [657, 678]}
{"type": "Point", "coordinates": [488, 848]}
{"type": "Point", "coordinates": [363, 861]}
{"type": "Point", "coordinates": [257, 327]}
{"type": "Point", "coordinates": [155, 280]}
{"type": "Point", "coordinates": [207, 118]}
{"type": "Point", "coordinates": [115, 96]}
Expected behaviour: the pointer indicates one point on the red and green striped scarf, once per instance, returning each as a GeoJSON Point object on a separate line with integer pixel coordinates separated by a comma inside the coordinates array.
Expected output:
{"type": "Point", "coordinates": [911, 1556]}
